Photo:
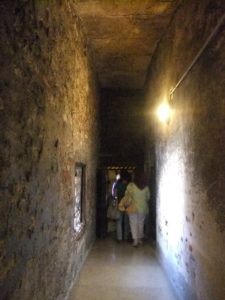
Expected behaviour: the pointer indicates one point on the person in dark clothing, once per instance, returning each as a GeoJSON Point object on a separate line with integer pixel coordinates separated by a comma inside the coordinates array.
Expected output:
{"type": "Point", "coordinates": [122, 223]}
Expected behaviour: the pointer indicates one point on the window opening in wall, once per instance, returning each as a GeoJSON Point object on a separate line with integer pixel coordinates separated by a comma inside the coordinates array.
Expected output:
{"type": "Point", "coordinates": [79, 195]}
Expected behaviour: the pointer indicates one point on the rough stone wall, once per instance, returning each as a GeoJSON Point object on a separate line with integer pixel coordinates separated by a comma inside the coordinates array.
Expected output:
{"type": "Point", "coordinates": [190, 152]}
{"type": "Point", "coordinates": [48, 121]}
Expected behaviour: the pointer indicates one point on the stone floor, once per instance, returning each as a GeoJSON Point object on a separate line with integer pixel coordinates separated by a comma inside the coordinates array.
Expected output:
{"type": "Point", "coordinates": [121, 272]}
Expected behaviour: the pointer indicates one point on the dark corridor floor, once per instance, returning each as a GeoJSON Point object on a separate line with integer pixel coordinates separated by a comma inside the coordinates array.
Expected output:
{"type": "Point", "coordinates": [115, 271]}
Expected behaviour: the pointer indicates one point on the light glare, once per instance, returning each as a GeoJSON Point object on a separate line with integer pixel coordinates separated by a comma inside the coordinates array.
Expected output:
{"type": "Point", "coordinates": [171, 204]}
{"type": "Point", "coordinates": [164, 112]}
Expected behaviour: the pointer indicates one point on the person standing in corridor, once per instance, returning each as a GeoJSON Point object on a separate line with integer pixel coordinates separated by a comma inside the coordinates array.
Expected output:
{"type": "Point", "coordinates": [139, 194]}
{"type": "Point", "coordinates": [122, 223]}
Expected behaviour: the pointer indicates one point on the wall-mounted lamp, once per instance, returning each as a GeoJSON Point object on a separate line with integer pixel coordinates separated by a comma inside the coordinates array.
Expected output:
{"type": "Point", "coordinates": [164, 112]}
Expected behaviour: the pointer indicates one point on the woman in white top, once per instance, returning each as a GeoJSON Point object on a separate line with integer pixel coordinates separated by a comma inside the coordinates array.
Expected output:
{"type": "Point", "coordinates": [139, 192]}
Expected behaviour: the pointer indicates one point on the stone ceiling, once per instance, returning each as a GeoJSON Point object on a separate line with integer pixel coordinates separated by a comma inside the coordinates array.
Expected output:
{"type": "Point", "coordinates": [123, 35]}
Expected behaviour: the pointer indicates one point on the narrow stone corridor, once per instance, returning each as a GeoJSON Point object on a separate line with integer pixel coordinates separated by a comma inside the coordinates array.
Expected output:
{"type": "Point", "coordinates": [91, 88]}
{"type": "Point", "coordinates": [118, 271]}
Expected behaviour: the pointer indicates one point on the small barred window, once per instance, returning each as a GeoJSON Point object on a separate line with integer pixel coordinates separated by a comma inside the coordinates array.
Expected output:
{"type": "Point", "coordinates": [79, 195]}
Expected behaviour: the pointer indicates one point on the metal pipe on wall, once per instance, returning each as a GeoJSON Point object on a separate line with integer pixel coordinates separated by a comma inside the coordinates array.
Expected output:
{"type": "Point", "coordinates": [220, 23]}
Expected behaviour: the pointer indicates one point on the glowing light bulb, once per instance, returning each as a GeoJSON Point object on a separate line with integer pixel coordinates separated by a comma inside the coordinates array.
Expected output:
{"type": "Point", "coordinates": [164, 112]}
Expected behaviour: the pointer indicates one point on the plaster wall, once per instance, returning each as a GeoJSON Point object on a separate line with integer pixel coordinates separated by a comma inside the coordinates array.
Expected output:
{"type": "Point", "coordinates": [190, 151]}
